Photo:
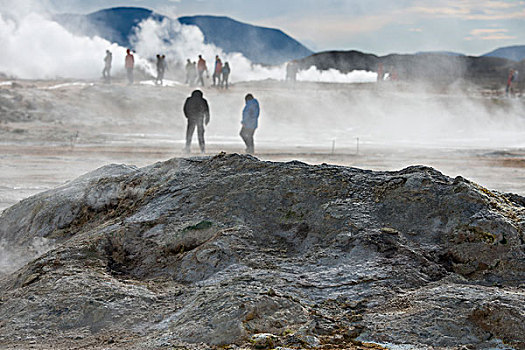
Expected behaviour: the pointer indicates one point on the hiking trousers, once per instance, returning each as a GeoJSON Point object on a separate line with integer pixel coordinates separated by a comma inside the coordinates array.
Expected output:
{"type": "Point", "coordinates": [247, 137]}
{"type": "Point", "coordinates": [192, 123]}
{"type": "Point", "coordinates": [129, 72]}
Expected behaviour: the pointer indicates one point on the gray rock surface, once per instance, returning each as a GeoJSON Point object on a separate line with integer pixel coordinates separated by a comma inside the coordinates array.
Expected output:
{"type": "Point", "coordinates": [229, 250]}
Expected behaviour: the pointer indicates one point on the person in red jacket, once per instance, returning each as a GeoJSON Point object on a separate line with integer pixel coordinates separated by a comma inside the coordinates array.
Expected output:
{"type": "Point", "coordinates": [218, 71]}
{"type": "Point", "coordinates": [129, 64]}
{"type": "Point", "coordinates": [201, 68]}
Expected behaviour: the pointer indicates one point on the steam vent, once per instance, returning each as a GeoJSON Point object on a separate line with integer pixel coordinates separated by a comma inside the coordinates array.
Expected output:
{"type": "Point", "coordinates": [231, 252]}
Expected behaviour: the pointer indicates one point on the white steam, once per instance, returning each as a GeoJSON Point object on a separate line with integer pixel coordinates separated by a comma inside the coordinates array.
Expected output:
{"type": "Point", "coordinates": [35, 47]}
{"type": "Point", "coordinates": [180, 42]}
{"type": "Point", "coordinates": [13, 257]}
{"type": "Point", "coordinates": [335, 76]}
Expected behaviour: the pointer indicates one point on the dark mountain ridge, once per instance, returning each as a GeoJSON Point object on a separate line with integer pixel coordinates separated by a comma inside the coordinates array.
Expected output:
{"type": "Point", "coordinates": [432, 67]}
{"type": "Point", "coordinates": [514, 53]}
{"type": "Point", "coordinates": [258, 44]}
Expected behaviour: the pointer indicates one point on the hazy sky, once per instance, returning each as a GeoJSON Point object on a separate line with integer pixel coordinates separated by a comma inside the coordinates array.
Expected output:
{"type": "Point", "coordinates": [377, 26]}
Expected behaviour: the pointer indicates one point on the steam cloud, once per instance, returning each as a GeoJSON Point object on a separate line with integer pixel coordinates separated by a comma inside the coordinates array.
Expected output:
{"type": "Point", "coordinates": [35, 47]}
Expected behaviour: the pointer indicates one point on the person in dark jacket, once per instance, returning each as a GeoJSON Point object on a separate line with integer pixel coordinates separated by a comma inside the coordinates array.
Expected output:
{"type": "Point", "coordinates": [197, 112]}
{"type": "Point", "coordinates": [250, 117]}
{"type": "Point", "coordinates": [106, 73]}
{"type": "Point", "coordinates": [225, 74]}
{"type": "Point", "coordinates": [161, 68]}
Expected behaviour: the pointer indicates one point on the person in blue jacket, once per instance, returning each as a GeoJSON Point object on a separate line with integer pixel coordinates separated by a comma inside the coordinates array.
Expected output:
{"type": "Point", "coordinates": [250, 116]}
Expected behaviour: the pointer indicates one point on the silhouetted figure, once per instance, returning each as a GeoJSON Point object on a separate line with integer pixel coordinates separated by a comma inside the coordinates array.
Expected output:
{"type": "Point", "coordinates": [189, 68]}
{"type": "Point", "coordinates": [512, 82]}
{"type": "Point", "coordinates": [380, 72]}
{"type": "Point", "coordinates": [197, 112]}
{"type": "Point", "coordinates": [201, 68]}
{"type": "Point", "coordinates": [392, 74]}
{"type": "Point", "coordinates": [225, 75]}
{"type": "Point", "coordinates": [129, 64]}
{"type": "Point", "coordinates": [250, 117]}
{"type": "Point", "coordinates": [106, 72]}
{"type": "Point", "coordinates": [217, 71]}
{"type": "Point", "coordinates": [194, 74]}
{"type": "Point", "coordinates": [161, 68]}
{"type": "Point", "coordinates": [291, 71]}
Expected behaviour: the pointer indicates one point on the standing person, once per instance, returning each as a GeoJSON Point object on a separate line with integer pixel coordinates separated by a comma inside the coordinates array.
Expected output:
{"type": "Point", "coordinates": [291, 71]}
{"type": "Point", "coordinates": [201, 68]}
{"type": "Point", "coordinates": [250, 117]}
{"type": "Point", "coordinates": [164, 67]}
{"type": "Point", "coordinates": [225, 74]}
{"type": "Point", "coordinates": [159, 69]}
{"type": "Point", "coordinates": [106, 72]}
{"type": "Point", "coordinates": [189, 74]}
{"type": "Point", "coordinates": [194, 74]}
{"type": "Point", "coordinates": [217, 71]}
{"type": "Point", "coordinates": [509, 82]}
{"type": "Point", "coordinates": [197, 112]}
{"type": "Point", "coordinates": [129, 64]}
{"type": "Point", "coordinates": [514, 83]}
{"type": "Point", "coordinates": [380, 72]}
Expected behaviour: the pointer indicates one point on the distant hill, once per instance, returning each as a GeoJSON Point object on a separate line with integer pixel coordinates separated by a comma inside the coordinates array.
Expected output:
{"type": "Point", "coordinates": [449, 53]}
{"type": "Point", "coordinates": [259, 44]}
{"type": "Point", "coordinates": [115, 25]}
{"type": "Point", "coordinates": [429, 67]}
{"type": "Point", "coordinates": [514, 53]}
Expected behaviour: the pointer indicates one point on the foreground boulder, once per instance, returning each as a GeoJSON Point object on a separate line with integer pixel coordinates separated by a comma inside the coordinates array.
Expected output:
{"type": "Point", "coordinates": [230, 250]}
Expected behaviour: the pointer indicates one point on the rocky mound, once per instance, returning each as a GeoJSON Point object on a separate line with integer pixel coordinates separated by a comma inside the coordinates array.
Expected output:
{"type": "Point", "coordinates": [229, 250]}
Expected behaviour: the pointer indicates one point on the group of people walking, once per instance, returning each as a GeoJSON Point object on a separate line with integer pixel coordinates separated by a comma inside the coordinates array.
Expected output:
{"type": "Point", "coordinates": [195, 72]}
{"type": "Point", "coordinates": [197, 112]}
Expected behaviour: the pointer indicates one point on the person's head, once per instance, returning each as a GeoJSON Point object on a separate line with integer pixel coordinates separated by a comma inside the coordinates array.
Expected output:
{"type": "Point", "coordinates": [248, 97]}
{"type": "Point", "coordinates": [128, 51]}
{"type": "Point", "coordinates": [226, 64]}
{"type": "Point", "coordinates": [108, 52]}
{"type": "Point", "coordinates": [216, 57]}
{"type": "Point", "coordinates": [200, 57]}
{"type": "Point", "coordinates": [163, 56]}
{"type": "Point", "coordinates": [196, 93]}
{"type": "Point", "coordinates": [158, 56]}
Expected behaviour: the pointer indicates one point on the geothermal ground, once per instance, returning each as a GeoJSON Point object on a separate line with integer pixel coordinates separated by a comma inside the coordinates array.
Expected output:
{"type": "Point", "coordinates": [231, 251]}
{"type": "Point", "coordinates": [54, 131]}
